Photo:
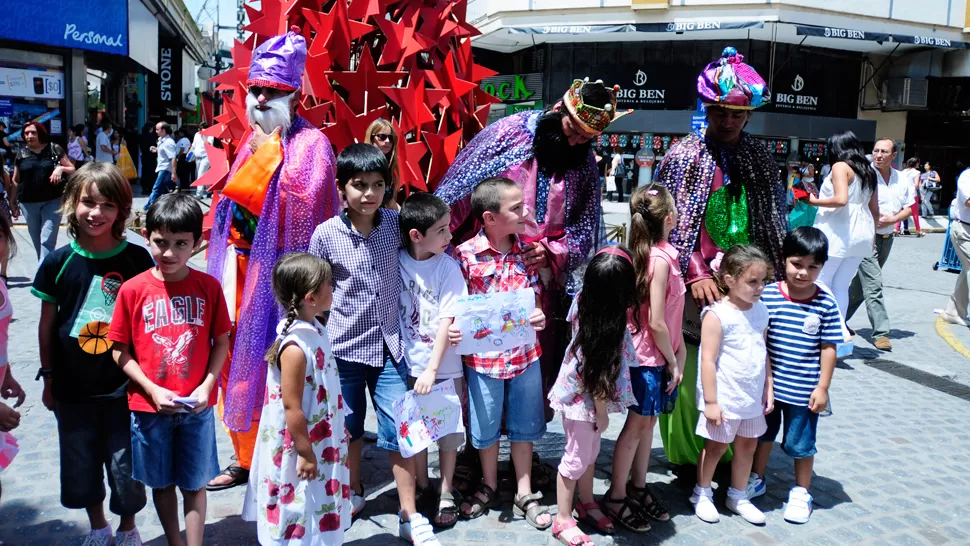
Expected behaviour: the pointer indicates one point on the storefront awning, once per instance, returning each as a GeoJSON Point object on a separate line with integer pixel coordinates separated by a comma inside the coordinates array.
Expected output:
{"type": "Point", "coordinates": [674, 28]}
{"type": "Point", "coordinates": [881, 37]}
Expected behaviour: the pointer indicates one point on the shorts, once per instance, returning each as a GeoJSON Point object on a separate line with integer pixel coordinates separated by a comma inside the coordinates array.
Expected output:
{"type": "Point", "coordinates": [456, 440]}
{"type": "Point", "coordinates": [386, 383]}
{"type": "Point", "coordinates": [798, 424]}
{"type": "Point", "coordinates": [177, 449]}
{"type": "Point", "coordinates": [94, 435]}
{"type": "Point", "coordinates": [491, 399]}
{"type": "Point", "coordinates": [582, 448]}
{"type": "Point", "coordinates": [753, 427]}
{"type": "Point", "coordinates": [649, 384]}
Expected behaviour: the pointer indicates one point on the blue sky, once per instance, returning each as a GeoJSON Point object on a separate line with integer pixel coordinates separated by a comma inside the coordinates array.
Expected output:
{"type": "Point", "coordinates": [225, 10]}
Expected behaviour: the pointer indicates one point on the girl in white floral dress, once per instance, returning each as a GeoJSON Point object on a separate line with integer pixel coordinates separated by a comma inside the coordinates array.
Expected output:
{"type": "Point", "coordinates": [299, 484]}
{"type": "Point", "coordinates": [588, 389]}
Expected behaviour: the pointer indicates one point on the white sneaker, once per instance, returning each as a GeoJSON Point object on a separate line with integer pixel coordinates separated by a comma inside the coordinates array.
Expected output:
{"type": "Point", "coordinates": [756, 486]}
{"type": "Point", "coordinates": [128, 538]}
{"type": "Point", "coordinates": [953, 319]}
{"type": "Point", "coordinates": [418, 531]}
{"type": "Point", "coordinates": [357, 502]}
{"type": "Point", "coordinates": [99, 537]}
{"type": "Point", "coordinates": [704, 508]}
{"type": "Point", "coordinates": [746, 510]}
{"type": "Point", "coordinates": [799, 506]}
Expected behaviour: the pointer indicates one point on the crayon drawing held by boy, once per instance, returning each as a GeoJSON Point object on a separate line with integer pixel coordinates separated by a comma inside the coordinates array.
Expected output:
{"type": "Point", "coordinates": [593, 382]}
{"type": "Point", "coordinates": [493, 261]}
{"type": "Point", "coordinates": [361, 245]}
{"type": "Point", "coordinates": [79, 284]}
{"type": "Point", "coordinates": [170, 335]}
{"type": "Point", "coordinates": [804, 329]}
{"type": "Point", "coordinates": [299, 485]}
{"type": "Point", "coordinates": [431, 281]}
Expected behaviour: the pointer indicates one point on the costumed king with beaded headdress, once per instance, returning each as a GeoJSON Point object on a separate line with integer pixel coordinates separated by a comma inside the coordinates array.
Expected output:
{"type": "Point", "coordinates": [549, 154]}
{"type": "Point", "coordinates": [280, 187]}
{"type": "Point", "coordinates": [728, 191]}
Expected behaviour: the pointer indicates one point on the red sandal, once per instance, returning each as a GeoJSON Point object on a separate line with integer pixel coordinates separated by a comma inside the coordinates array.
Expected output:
{"type": "Point", "coordinates": [578, 540]}
{"type": "Point", "coordinates": [604, 524]}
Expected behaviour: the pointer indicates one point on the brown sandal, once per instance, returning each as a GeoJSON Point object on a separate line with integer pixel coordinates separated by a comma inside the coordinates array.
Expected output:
{"type": "Point", "coordinates": [628, 515]}
{"type": "Point", "coordinates": [648, 502]}
{"type": "Point", "coordinates": [528, 507]}
{"type": "Point", "coordinates": [479, 503]}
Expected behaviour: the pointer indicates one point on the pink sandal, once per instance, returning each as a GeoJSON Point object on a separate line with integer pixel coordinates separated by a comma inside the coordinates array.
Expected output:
{"type": "Point", "coordinates": [578, 540]}
{"type": "Point", "coordinates": [603, 525]}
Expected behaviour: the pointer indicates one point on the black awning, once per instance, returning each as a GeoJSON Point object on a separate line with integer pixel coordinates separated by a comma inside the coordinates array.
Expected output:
{"type": "Point", "coordinates": [571, 29]}
{"type": "Point", "coordinates": [865, 35]}
{"type": "Point", "coordinates": [694, 26]}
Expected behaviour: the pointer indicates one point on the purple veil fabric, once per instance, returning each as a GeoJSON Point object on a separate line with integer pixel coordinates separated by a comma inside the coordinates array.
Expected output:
{"type": "Point", "coordinates": [507, 143]}
{"type": "Point", "coordinates": [301, 195]}
{"type": "Point", "coordinates": [688, 172]}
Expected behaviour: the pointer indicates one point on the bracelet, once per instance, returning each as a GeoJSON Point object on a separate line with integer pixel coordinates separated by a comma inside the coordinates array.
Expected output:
{"type": "Point", "coordinates": [43, 372]}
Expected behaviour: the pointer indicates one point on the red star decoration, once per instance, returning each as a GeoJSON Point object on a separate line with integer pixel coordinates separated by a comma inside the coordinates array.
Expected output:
{"type": "Point", "coordinates": [402, 42]}
{"type": "Point", "coordinates": [360, 10]}
{"type": "Point", "coordinates": [218, 168]}
{"type": "Point", "coordinates": [272, 20]}
{"type": "Point", "coordinates": [445, 78]}
{"type": "Point", "coordinates": [316, 114]}
{"type": "Point", "coordinates": [322, 25]}
{"type": "Point", "coordinates": [411, 100]}
{"type": "Point", "coordinates": [409, 155]}
{"type": "Point", "coordinates": [349, 127]}
{"type": "Point", "coordinates": [443, 148]}
{"type": "Point", "coordinates": [344, 32]}
{"type": "Point", "coordinates": [315, 80]}
{"type": "Point", "coordinates": [366, 79]}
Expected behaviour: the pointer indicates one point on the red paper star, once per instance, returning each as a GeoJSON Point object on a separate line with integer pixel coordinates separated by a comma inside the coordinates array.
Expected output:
{"type": "Point", "coordinates": [273, 18]}
{"type": "Point", "coordinates": [409, 155]}
{"type": "Point", "coordinates": [218, 168]}
{"type": "Point", "coordinates": [366, 79]}
{"type": "Point", "coordinates": [443, 148]}
{"type": "Point", "coordinates": [344, 32]}
{"type": "Point", "coordinates": [350, 128]}
{"type": "Point", "coordinates": [360, 10]}
{"type": "Point", "coordinates": [315, 80]}
{"type": "Point", "coordinates": [411, 99]}
{"type": "Point", "coordinates": [402, 42]}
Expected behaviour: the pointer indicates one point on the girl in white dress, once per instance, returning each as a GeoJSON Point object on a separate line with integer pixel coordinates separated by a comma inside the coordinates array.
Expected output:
{"type": "Point", "coordinates": [299, 484]}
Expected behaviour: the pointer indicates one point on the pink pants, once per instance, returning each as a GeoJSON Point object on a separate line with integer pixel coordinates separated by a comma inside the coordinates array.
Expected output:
{"type": "Point", "coordinates": [582, 448]}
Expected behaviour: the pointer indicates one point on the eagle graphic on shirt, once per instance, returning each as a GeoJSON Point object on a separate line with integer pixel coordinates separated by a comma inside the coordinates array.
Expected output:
{"type": "Point", "coordinates": [175, 354]}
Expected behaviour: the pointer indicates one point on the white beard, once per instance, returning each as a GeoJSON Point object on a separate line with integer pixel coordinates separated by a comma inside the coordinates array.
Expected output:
{"type": "Point", "coordinates": [276, 115]}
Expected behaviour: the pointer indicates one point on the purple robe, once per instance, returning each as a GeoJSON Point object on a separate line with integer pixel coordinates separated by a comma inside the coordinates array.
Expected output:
{"type": "Point", "coordinates": [301, 195]}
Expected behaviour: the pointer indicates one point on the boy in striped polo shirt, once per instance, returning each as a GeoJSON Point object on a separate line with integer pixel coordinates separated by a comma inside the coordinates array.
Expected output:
{"type": "Point", "coordinates": [803, 330]}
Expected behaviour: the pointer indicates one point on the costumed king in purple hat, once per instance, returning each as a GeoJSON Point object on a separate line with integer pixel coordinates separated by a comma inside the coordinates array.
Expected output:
{"type": "Point", "coordinates": [549, 154]}
{"type": "Point", "coordinates": [280, 187]}
{"type": "Point", "coordinates": [728, 191]}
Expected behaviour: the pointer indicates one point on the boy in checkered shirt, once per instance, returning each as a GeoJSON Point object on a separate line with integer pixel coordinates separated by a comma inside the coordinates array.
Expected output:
{"type": "Point", "coordinates": [362, 245]}
{"type": "Point", "coordinates": [493, 261]}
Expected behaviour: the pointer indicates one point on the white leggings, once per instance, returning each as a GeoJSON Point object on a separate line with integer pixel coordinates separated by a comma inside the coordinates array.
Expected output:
{"type": "Point", "coordinates": [837, 275]}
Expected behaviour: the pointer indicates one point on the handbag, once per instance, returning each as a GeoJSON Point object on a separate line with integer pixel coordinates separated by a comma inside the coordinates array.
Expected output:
{"type": "Point", "coordinates": [126, 165]}
{"type": "Point", "coordinates": [610, 182]}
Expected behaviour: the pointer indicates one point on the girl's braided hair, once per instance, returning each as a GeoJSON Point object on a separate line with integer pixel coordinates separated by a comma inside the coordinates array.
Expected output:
{"type": "Point", "coordinates": [294, 276]}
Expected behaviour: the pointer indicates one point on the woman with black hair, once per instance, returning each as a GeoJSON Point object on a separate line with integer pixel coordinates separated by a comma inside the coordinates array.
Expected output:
{"type": "Point", "coordinates": [847, 211]}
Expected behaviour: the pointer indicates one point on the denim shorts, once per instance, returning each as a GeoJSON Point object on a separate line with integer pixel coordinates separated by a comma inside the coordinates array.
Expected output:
{"type": "Point", "coordinates": [386, 384]}
{"type": "Point", "coordinates": [93, 437]}
{"type": "Point", "coordinates": [177, 449]}
{"type": "Point", "coordinates": [798, 425]}
{"type": "Point", "coordinates": [649, 385]}
{"type": "Point", "coordinates": [519, 399]}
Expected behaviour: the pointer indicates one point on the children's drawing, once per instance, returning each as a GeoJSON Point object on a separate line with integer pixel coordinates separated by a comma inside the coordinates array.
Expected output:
{"type": "Point", "coordinates": [8, 449]}
{"type": "Point", "coordinates": [422, 419]}
{"type": "Point", "coordinates": [495, 322]}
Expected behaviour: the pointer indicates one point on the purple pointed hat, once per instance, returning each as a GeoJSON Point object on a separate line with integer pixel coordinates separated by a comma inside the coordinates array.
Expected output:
{"type": "Point", "coordinates": [278, 63]}
{"type": "Point", "coordinates": [730, 83]}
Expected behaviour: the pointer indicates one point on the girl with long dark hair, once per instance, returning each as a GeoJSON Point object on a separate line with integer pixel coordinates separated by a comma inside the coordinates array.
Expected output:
{"type": "Point", "coordinates": [847, 212]}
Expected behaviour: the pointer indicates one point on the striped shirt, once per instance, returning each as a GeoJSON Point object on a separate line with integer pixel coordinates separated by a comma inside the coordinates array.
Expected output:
{"type": "Point", "coordinates": [487, 270]}
{"type": "Point", "coordinates": [796, 331]}
{"type": "Point", "coordinates": [367, 287]}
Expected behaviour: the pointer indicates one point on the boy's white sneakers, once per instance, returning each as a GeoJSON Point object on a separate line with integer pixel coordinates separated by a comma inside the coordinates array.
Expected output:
{"type": "Point", "coordinates": [799, 506]}
{"type": "Point", "coordinates": [703, 501]}
{"type": "Point", "coordinates": [99, 537]}
{"type": "Point", "coordinates": [128, 538]}
{"type": "Point", "coordinates": [756, 486]}
{"type": "Point", "coordinates": [746, 510]}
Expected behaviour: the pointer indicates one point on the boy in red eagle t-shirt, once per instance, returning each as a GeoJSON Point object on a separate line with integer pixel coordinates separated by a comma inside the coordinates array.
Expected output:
{"type": "Point", "coordinates": [170, 331]}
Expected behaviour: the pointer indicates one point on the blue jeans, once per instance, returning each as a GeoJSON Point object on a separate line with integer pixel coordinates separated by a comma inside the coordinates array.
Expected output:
{"type": "Point", "coordinates": [386, 383]}
{"type": "Point", "coordinates": [798, 425]}
{"type": "Point", "coordinates": [162, 185]}
{"type": "Point", "coordinates": [489, 399]}
{"type": "Point", "coordinates": [43, 221]}
{"type": "Point", "coordinates": [177, 449]}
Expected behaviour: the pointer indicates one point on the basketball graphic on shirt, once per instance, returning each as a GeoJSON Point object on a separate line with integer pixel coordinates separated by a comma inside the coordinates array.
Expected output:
{"type": "Point", "coordinates": [99, 302]}
{"type": "Point", "coordinates": [93, 338]}
{"type": "Point", "coordinates": [110, 285]}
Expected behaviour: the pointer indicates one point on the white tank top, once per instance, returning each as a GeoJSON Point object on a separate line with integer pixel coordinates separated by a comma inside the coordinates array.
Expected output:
{"type": "Point", "coordinates": [74, 150]}
{"type": "Point", "coordinates": [849, 229]}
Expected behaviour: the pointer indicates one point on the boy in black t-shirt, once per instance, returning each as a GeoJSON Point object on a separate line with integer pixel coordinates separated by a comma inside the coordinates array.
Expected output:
{"type": "Point", "coordinates": [78, 284]}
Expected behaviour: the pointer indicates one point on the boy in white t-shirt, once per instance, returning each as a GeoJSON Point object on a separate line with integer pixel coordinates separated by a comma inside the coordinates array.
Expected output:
{"type": "Point", "coordinates": [431, 281]}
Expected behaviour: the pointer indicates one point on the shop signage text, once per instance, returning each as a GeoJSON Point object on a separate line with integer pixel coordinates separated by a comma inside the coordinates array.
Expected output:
{"type": "Point", "coordinates": [165, 74]}
{"type": "Point", "coordinates": [94, 25]}
{"type": "Point", "coordinates": [794, 100]}
{"type": "Point", "coordinates": [91, 37]}
{"type": "Point", "coordinates": [514, 88]}
{"type": "Point", "coordinates": [31, 83]}
{"type": "Point", "coordinates": [165, 88]}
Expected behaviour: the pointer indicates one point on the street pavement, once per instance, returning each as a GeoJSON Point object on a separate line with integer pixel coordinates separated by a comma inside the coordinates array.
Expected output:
{"type": "Point", "coordinates": [890, 469]}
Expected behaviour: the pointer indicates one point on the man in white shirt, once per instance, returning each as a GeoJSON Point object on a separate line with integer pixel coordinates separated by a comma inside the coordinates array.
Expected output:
{"type": "Point", "coordinates": [956, 311]}
{"type": "Point", "coordinates": [200, 156]}
{"type": "Point", "coordinates": [102, 150]}
{"type": "Point", "coordinates": [895, 196]}
{"type": "Point", "coordinates": [167, 158]}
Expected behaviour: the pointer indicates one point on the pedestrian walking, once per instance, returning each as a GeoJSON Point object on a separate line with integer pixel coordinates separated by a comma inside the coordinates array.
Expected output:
{"type": "Point", "coordinates": [77, 146]}
{"type": "Point", "coordinates": [166, 167]}
{"type": "Point", "coordinates": [911, 176]}
{"type": "Point", "coordinates": [929, 185]}
{"type": "Point", "coordinates": [956, 310]}
{"type": "Point", "coordinates": [103, 150]}
{"type": "Point", "coordinates": [183, 166]}
{"type": "Point", "coordinates": [40, 170]}
{"type": "Point", "coordinates": [200, 156]}
{"type": "Point", "coordinates": [618, 171]}
{"type": "Point", "coordinates": [146, 142]}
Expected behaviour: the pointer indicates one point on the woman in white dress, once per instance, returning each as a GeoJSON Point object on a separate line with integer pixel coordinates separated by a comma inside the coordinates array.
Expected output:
{"type": "Point", "coordinates": [847, 206]}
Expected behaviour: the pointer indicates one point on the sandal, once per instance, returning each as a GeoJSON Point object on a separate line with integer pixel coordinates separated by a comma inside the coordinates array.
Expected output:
{"type": "Point", "coordinates": [652, 508]}
{"type": "Point", "coordinates": [479, 503]}
{"type": "Point", "coordinates": [604, 524]}
{"type": "Point", "coordinates": [528, 507]}
{"type": "Point", "coordinates": [628, 515]}
{"type": "Point", "coordinates": [417, 530]}
{"type": "Point", "coordinates": [542, 473]}
{"type": "Point", "coordinates": [450, 508]}
{"type": "Point", "coordinates": [468, 472]}
{"type": "Point", "coordinates": [578, 540]}
{"type": "Point", "coordinates": [239, 475]}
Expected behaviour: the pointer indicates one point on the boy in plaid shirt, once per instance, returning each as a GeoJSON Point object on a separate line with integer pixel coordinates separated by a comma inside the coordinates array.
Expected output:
{"type": "Point", "coordinates": [492, 261]}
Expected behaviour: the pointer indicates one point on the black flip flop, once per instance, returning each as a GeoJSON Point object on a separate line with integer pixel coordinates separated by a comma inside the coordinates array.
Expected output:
{"type": "Point", "coordinates": [239, 475]}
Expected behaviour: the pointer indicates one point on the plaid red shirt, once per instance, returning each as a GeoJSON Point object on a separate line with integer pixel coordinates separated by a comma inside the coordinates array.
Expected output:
{"type": "Point", "coordinates": [487, 270]}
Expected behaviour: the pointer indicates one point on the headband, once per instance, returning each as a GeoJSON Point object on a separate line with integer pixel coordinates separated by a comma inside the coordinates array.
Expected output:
{"type": "Point", "coordinates": [615, 251]}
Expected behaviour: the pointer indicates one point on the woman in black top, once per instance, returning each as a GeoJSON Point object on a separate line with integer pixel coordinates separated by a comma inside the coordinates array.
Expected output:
{"type": "Point", "coordinates": [38, 182]}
